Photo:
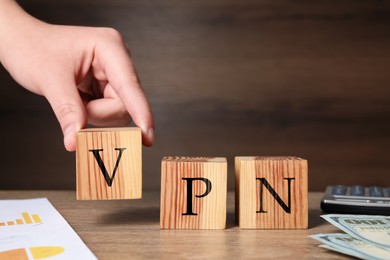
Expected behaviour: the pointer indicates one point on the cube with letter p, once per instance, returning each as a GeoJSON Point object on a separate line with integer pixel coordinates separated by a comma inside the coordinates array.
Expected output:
{"type": "Point", "coordinates": [193, 193]}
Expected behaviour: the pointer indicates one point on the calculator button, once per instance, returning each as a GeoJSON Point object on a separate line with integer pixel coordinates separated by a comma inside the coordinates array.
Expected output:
{"type": "Point", "coordinates": [376, 191]}
{"type": "Point", "coordinates": [357, 190]}
{"type": "Point", "coordinates": [339, 190]}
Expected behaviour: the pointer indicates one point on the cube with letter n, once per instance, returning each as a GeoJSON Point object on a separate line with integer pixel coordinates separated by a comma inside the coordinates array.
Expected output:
{"type": "Point", "coordinates": [193, 193]}
{"type": "Point", "coordinates": [271, 192]}
{"type": "Point", "coordinates": [109, 163]}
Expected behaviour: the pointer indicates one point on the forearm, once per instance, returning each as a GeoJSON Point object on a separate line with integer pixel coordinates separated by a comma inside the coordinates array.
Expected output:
{"type": "Point", "coordinates": [14, 24]}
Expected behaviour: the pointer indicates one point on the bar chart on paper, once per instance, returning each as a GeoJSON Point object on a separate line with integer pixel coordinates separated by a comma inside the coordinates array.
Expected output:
{"type": "Point", "coordinates": [25, 218]}
{"type": "Point", "coordinates": [34, 229]}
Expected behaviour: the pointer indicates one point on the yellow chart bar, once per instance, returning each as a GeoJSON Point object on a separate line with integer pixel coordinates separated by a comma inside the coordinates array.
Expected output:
{"type": "Point", "coordinates": [19, 221]}
{"type": "Point", "coordinates": [36, 218]}
{"type": "Point", "coordinates": [2, 224]}
{"type": "Point", "coordinates": [10, 223]}
{"type": "Point", "coordinates": [27, 218]}
{"type": "Point", "coordinates": [45, 251]}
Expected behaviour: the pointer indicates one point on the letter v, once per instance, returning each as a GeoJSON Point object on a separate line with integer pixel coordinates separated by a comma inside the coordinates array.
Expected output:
{"type": "Point", "coordinates": [103, 167]}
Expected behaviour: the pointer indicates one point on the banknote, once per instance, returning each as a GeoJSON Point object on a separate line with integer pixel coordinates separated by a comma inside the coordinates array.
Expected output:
{"type": "Point", "coordinates": [347, 244]}
{"type": "Point", "coordinates": [372, 229]}
{"type": "Point", "coordinates": [341, 251]}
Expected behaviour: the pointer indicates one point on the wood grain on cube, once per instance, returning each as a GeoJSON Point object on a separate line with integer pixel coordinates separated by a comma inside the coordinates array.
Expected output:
{"type": "Point", "coordinates": [257, 178]}
{"type": "Point", "coordinates": [210, 210]}
{"type": "Point", "coordinates": [118, 148]}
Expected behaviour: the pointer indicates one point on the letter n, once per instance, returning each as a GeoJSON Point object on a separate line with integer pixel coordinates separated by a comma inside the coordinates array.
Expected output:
{"type": "Point", "coordinates": [286, 207]}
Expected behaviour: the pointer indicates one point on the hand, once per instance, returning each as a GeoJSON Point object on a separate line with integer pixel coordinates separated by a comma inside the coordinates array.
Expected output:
{"type": "Point", "coordinates": [85, 73]}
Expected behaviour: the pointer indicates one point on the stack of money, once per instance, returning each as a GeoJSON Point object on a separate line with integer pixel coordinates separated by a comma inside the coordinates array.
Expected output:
{"type": "Point", "coordinates": [367, 237]}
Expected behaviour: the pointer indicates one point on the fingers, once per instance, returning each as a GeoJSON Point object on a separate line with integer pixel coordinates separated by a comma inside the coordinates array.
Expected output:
{"type": "Point", "coordinates": [107, 112]}
{"type": "Point", "coordinates": [115, 62]}
{"type": "Point", "coordinates": [68, 108]}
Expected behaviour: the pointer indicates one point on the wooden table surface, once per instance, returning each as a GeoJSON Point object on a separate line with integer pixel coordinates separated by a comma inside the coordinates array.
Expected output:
{"type": "Point", "coordinates": [129, 229]}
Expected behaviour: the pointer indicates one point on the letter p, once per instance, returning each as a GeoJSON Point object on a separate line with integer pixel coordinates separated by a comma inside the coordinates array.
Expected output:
{"type": "Point", "coordinates": [189, 193]}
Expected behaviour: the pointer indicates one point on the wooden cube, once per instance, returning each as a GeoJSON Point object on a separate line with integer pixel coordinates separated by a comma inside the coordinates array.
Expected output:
{"type": "Point", "coordinates": [193, 193]}
{"type": "Point", "coordinates": [109, 164]}
{"type": "Point", "coordinates": [271, 192]}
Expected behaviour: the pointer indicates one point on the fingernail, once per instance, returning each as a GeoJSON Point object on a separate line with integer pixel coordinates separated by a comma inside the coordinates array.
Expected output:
{"type": "Point", "coordinates": [69, 139]}
{"type": "Point", "coordinates": [151, 135]}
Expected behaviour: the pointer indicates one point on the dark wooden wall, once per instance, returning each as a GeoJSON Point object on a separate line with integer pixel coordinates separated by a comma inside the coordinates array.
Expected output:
{"type": "Point", "coordinates": [226, 78]}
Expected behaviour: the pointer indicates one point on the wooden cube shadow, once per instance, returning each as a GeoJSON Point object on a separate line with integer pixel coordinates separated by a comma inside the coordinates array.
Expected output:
{"type": "Point", "coordinates": [271, 192]}
{"type": "Point", "coordinates": [109, 164]}
{"type": "Point", "coordinates": [193, 193]}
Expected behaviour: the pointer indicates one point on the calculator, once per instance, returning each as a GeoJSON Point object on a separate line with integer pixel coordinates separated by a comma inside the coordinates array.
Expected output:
{"type": "Point", "coordinates": [373, 200]}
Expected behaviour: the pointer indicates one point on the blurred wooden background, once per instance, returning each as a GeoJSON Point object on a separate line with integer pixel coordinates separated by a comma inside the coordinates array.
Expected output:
{"type": "Point", "coordinates": [226, 78]}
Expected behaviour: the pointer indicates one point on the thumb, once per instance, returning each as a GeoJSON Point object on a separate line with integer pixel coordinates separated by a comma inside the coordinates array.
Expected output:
{"type": "Point", "coordinates": [69, 110]}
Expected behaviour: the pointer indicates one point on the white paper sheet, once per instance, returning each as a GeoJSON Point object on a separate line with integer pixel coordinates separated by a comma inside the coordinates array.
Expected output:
{"type": "Point", "coordinates": [34, 229]}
